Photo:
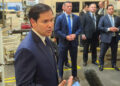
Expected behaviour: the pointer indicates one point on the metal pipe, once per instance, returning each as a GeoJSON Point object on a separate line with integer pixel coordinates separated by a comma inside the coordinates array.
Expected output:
{"type": "Point", "coordinates": [1, 48]}
{"type": "Point", "coordinates": [3, 16]}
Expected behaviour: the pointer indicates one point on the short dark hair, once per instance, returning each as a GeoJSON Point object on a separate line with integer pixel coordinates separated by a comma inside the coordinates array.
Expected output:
{"type": "Point", "coordinates": [67, 2]}
{"type": "Point", "coordinates": [91, 4]}
{"type": "Point", "coordinates": [109, 6]}
{"type": "Point", "coordinates": [37, 9]}
{"type": "Point", "coordinates": [85, 5]}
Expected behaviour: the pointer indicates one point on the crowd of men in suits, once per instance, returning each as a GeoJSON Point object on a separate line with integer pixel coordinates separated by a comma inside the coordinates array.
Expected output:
{"type": "Point", "coordinates": [97, 27]}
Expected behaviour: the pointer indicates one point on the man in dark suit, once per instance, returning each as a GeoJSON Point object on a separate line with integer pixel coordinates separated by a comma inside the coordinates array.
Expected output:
{"type": "Point", "coordinates": [90, 34]}
{"type": "Point", "coordinates": [109, 28]}
{"type": "Point", "coordinates": [67, 28]}
{"type": "Point", "coordinates": [84, 10]}
{"type": "Point", "coordinates": [67, 64]}
{"type": "Point", "coordinates": [81, 14]}
{"type": "Point", "coordinates": [35, 63]}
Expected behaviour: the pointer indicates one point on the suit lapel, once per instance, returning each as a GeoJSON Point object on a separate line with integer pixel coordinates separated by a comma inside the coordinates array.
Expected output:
{"type": "Point", "coordinates": [65, 22]}
{"type": "Point", "coordinates": [73, 23]}
{"type": "Point", "coordinates": [91, 18]}
{"type": "Point", "coordinates": [52, 51]}
{"type": "Point", "coordinates": [47, 54]}
{"type": "Point", "coordinates": [41, 47]}
{"type": "Point", "coordinates": [115, 19]}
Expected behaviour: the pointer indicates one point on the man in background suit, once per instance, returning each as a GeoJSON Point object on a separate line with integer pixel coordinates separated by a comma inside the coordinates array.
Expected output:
{"type": "Point", "coordinates": [35, 63]}
{"type": "Point", "coordinates": [81, 14]}
{"type": "Point", "coordinates": [84, 10]}
{"type": "Point", "coordinates": [67, 64]}
{"type": "Point", "coordinates": [109, 28]}
{"type": "Point", "coordinates": [90, 34]}
{"type": "Point", "coordinates": [67, 28]}
{"type": "Point", "coordinates": [63, 10]}
{"type": "Point", "coordinates": [101, 11]}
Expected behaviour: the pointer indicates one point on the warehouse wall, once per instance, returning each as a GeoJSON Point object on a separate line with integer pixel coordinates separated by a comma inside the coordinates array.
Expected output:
{"type": "Point", "coordinates": [11, 0]}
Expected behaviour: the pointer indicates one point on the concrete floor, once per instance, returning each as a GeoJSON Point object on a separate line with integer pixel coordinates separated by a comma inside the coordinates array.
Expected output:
{"type": "Point", "coordinates": [108, 77]}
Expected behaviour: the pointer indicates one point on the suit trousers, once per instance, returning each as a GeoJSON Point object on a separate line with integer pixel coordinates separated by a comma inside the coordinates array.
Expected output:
{"type": "Point", "coordinates": [63, 51]}
{"type": "Point", "coordinates": [86, 45]}
{"type": "Point", "coordinates": [104, 48]}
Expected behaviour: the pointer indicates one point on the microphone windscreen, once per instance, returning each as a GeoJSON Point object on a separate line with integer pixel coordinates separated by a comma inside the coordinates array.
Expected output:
{"type": "Point", "coordinates": [92, 78]}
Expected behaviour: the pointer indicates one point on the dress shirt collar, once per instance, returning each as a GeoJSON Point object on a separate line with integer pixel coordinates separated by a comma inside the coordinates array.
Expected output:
{"type": "Point", "coordinates": [67, 14]}
{"type": "Point", "coordinates": [92, 14]}
{"type": "Point", "coordinates": [110, 15]}
{"type": "Point", "coordinates": [84, 11]}
{"type": "Point", "coordinates": [40, 36]}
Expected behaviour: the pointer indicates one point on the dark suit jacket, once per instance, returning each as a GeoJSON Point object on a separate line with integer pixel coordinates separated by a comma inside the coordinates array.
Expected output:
{"type": "Point", "coordinates": [34, 66]}
{"type": "Point", "coordinates": [61, 29]}
{"type": "Point", "coordinates": [104, 24]}
{"type": "Point", "coordinates": [82, 13]}
{"type": "Point", "coordinates": [57, 16]}
{"type": "Point", "coordinates": [88, 26]}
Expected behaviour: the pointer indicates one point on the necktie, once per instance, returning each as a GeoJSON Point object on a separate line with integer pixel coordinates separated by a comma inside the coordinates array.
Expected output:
{"type": "Point", "coordinates": [94, 20]}
{"type": "Point", "coordinates": [44, 42]}
{"type": "Point", "coordinates": [48, 46]}
{"type": "Point", "coordinates": [111, 20]}
{"type": "Point", "coordinates": [69, 25]}
{"type": "Point", "coordinates": [93, 16]}
{"type": "Point", "coordinates": [50, 52]}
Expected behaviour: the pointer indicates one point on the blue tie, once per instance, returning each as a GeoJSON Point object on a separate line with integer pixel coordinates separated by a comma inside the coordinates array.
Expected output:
{"type": "Point", "coordinates": [69, 25]}
{"type": "Point", "coordinates": [111, 20]}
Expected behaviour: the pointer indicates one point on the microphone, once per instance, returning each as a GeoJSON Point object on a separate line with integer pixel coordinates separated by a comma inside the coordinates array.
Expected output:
{"type": "Point", "coordinates": [92, 78]}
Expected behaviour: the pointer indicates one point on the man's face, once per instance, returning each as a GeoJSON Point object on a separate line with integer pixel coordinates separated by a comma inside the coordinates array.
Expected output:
{"type": "Point", "coordinates": [86, 8]}
{"type": "Point", "coordinates": [63, 8]}
{"type": "Point", "coordinates": [68, 8]}
{"type": "Point", "coordinates": [100, 4]}
{"type": "Point", "coordinates": [44, 25]}
{"type": "Point", "coordinates": [110, 10]}
{"type": "Point", "coordinates": [92, 8]}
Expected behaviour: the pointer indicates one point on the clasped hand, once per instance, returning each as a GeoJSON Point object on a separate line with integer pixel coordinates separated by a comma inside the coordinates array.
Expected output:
{"type": "Point", "coordinates": [114, 29]}
{"type": "Point", "coordinates": [71, 37]}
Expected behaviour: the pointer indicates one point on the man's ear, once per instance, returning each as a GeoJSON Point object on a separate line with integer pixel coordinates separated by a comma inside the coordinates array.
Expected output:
{"type": "Point", "coordinates": [33, 22]}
